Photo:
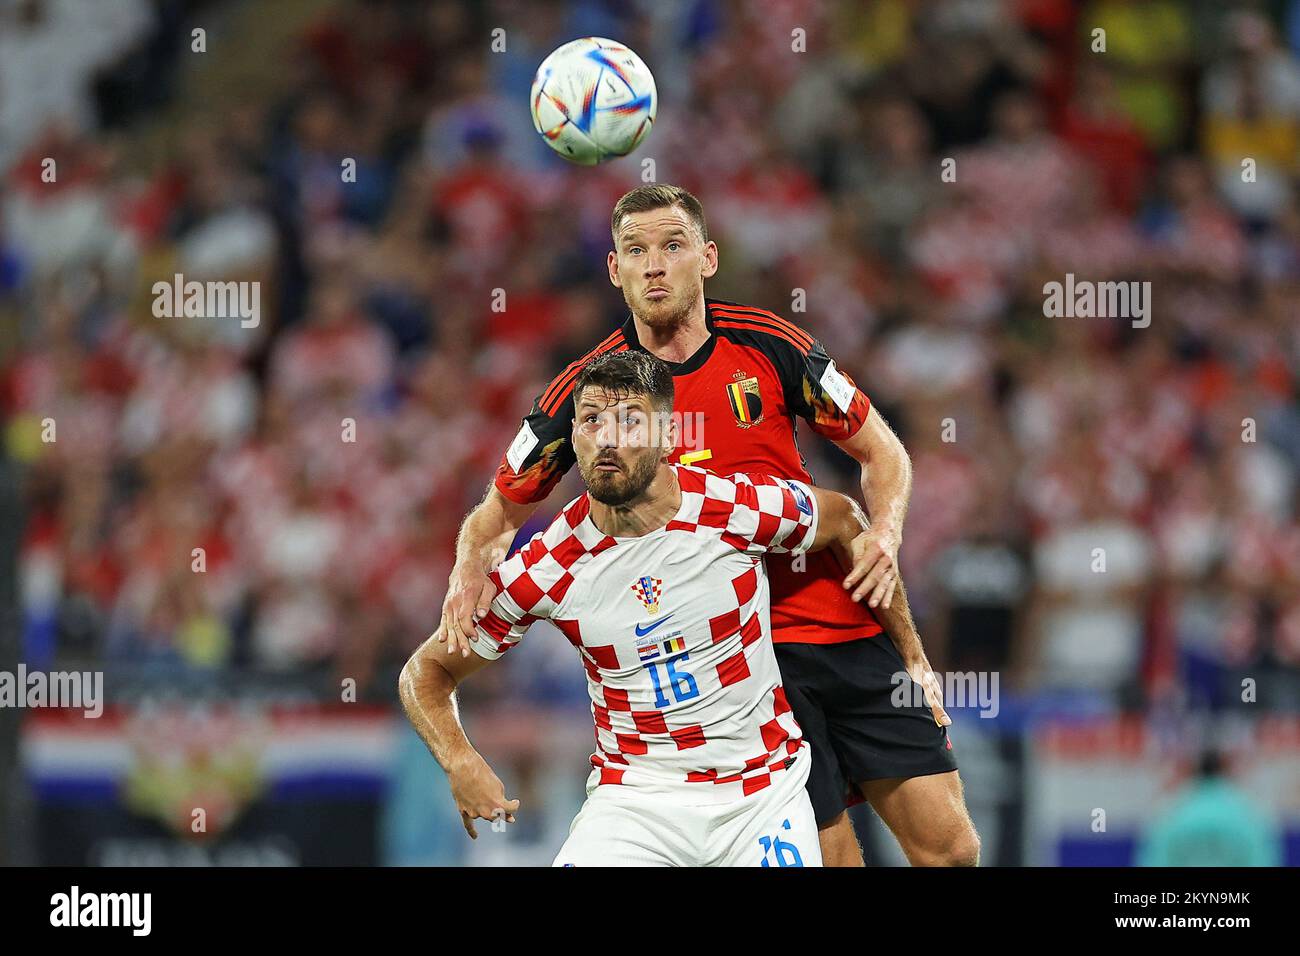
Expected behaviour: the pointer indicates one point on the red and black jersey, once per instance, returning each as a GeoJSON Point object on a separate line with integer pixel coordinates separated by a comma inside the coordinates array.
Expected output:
{"type": "Point", "coordinates": [744, 387]}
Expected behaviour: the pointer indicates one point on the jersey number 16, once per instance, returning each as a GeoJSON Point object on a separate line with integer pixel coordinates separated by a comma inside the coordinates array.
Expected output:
{"type": "Point", "coordinates": [683, 684]}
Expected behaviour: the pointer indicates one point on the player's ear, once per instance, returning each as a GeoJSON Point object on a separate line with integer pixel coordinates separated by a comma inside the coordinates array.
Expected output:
{"type": "Point", "coordinates": [709, 261]}
{"type": "Point", "coordinates": [613, 270]}
{"type": "Point", "coordinates": [669, 432]}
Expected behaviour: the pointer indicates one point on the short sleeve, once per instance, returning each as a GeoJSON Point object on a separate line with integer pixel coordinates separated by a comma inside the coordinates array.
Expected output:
{"type": "Point", "coordinates": [771, 515]}
{"type": "Point", "coordinates": [540, 455]}
{"type": "Point", "coordinates": [824, 396]}
{"type": "Point", "coordinates": [542, 451]}
{"type": "Point", "coordinates": [520, 602]}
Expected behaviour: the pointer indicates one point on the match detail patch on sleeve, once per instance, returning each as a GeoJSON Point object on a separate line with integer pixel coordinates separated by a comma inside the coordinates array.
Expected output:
{"type": "Point", "coordinates": [802, 500]}
{"type": "Point", "coordinates": [838, 388]}
{"type": "Point", "coordinates": [521, 447]}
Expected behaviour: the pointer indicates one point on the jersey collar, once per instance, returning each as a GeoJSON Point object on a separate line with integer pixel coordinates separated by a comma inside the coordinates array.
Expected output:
{"type": "Point", "coordinates": [695, 361]}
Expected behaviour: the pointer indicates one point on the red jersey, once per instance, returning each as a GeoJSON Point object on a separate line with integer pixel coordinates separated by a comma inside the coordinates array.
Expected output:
{"type": "Point", "coordinates": [744, 386]}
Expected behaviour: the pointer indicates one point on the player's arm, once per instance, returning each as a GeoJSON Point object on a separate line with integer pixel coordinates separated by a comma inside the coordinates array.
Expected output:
{"type": "Point", "coordinates": [427, 688]}
{"type": "Point", "coordinates": [791, 517]}
{"type": "Point", "coordinates": [840, 522]}
{"type": "Point", "coordinates": [841, 525]}
{"type": "Point", "coordinates": [896, 619]}
{"type": "Point", "coordinates": [886, 488]}
{"type": "Point", "coordinates": [834, 407]}
{"type": "Point", "coordinates": [483, 543]}
{"type": "Point", "coordinates": [531, 467]}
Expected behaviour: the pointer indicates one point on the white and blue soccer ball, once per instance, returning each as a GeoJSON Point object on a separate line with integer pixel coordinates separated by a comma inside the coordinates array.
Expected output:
{"type": "Point", "coordinates": [593, 99]}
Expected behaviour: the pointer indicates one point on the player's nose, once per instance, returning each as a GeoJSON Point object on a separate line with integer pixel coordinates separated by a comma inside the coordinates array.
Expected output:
{"type": "Point", "coordinates": [607, 435]}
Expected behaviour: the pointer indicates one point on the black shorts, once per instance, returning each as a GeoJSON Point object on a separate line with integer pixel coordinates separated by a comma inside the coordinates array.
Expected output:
{"type": "Point", "coordinates": [843, 696]}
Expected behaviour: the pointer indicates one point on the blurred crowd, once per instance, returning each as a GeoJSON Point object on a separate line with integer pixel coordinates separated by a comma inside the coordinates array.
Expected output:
{"type": "Point", "coordinates": [282, 499]}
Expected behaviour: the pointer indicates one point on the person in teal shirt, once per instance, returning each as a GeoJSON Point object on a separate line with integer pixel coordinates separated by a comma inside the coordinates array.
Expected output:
{"type": "Point", "coordinates": [1211, 823]}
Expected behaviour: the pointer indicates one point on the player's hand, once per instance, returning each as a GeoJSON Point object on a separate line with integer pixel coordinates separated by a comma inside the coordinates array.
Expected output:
{"type": "Point", "coordinates": [469, 595]}
{"type": "Point", "coordinates": [480, 795]}
{"type": "Point", "coordinates": [874, 569]}
{"type": "Point", "coordinates": [921, 673]}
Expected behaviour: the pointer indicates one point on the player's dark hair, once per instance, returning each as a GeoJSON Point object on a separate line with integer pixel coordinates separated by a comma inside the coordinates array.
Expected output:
{"type": "Point", "coordinates": [658, 196]}
{"type": "Point", "coordinates": [624, 374]}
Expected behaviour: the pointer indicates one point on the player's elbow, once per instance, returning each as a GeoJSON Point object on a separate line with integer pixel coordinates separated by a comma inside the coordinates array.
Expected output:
{"type": "Point", "coordinates": [879, 445]}
{"type": "Point", "coordinates": [887, 449]}
{"type": "Point", "coordinates": [404, 694]}
{"type": "Point", "coordinates": [408, 681]}
{"type": "Point", "coordinates": [904, 461]}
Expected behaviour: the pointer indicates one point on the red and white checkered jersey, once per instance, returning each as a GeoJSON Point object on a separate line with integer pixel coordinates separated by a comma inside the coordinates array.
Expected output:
{"type": "Point", "coordinates": [672, 628]}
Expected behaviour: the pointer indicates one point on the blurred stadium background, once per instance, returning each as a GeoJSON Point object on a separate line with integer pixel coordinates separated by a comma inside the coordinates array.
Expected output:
{"type": "Point", "coordinates": [326, 561]}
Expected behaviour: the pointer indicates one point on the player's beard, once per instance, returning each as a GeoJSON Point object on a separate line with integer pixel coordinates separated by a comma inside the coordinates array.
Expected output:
{"type": "Point", "coordinates": [667, 313]}
{"type": "Point", "coordinates": [616, 488]}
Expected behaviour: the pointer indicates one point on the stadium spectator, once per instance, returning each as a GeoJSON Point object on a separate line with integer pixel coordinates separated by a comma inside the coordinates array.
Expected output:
{"type": "Point", "coordinates": [1211, 822]}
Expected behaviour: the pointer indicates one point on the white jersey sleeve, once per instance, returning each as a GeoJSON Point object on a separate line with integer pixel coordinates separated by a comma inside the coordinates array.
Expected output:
{"type": "Point", "coordinates": [521, 600]}
{"type": "Point", "coordinates": [771, 515]}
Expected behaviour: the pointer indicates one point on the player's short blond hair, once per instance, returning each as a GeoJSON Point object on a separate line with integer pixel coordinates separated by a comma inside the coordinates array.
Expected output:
{"type": "Point", "coordinates": [658, 196]}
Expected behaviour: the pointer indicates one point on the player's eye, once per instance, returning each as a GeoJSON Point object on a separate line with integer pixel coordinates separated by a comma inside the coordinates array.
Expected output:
{"type": "Point", "coordinates": [634, 250]}
{"type": "Point", "coordinates": [674, 246]}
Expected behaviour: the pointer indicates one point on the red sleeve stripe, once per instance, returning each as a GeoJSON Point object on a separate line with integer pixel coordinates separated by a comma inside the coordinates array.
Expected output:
{"type": "Point", "coordinates": [744, 312]}
{"type": "Point", "coordinates": [562, 387]}
{"type": "Point", "coordinates": [786, 324]}
{"type": "Point", "coordinates": [750, 326]}
{"type": "Point", "coordinates": [767, 325]}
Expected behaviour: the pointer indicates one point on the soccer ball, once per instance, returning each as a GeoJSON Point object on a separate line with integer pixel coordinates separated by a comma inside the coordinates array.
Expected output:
{"type": "Point", "coordinates": [593, 100]}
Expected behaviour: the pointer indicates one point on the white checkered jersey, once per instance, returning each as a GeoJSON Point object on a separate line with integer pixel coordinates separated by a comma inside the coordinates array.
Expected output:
{"type": "Point", "coordinates": [672, 629]}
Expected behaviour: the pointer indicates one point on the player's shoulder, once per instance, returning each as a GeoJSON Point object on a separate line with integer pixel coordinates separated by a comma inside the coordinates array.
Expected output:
{"type": "Point", "coordinates": [755, 327]}
{"type": "Point", "coordinates": [567, 524]}
{"type": "Point", "coordinates": [772, 494]}
{"type": "Point", "coordinates": [738, 487]}
{"type": "Point", "coordinates": [538, 575]}
{"type": "Point", "coordinates": [738, 506]}
{"type": "Point", "coordinates": [561, 387]}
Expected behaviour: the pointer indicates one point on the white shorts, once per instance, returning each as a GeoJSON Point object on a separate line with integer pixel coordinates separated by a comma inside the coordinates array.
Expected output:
{"type": "Point", "coordinates": [619, 826]}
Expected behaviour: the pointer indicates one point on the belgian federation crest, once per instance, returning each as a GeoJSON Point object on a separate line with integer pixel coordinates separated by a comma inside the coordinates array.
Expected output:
{"type": "Point", "coordinates": [648, 591]}
{"type": "Point", "coordinates": [746, 400]}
